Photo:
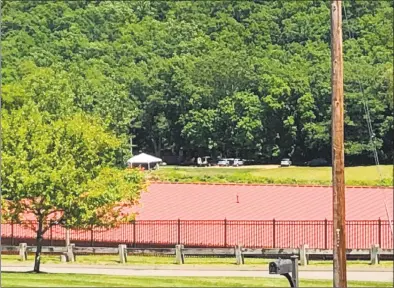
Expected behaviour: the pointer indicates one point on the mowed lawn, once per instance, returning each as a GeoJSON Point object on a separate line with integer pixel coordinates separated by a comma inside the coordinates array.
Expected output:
{"type": "Point", "coordinates": [169, 260]}
{"type": "Point", "coordinates": [271, 174]}
{"type": "Point", "coordinates": [80, 280]}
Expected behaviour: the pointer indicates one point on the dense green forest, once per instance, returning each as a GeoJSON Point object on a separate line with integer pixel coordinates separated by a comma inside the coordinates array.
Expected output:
{"type": "Point", "coordinates": [237, 78]}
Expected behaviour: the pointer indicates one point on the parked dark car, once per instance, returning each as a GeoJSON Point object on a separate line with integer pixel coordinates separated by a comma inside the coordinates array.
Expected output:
{"type": "Point", "coordinates": [317, 162]}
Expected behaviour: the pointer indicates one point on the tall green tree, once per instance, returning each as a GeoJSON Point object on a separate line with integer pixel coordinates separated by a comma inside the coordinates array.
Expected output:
{"type": "Point", "coordinates": [63, 171]}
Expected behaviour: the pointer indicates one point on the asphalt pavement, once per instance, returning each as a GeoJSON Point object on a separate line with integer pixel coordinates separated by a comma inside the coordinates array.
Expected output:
{"type": "Point", "coordinates": [354, 274]}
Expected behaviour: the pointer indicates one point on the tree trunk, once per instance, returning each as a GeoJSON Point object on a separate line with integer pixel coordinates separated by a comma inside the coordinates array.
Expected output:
{"type": "Point", "coordinates": [157, 147]}
{"type": "Point", "coordinates": [37, 259]}
{"type": "Point", "coordinates": [154, 146]}
{"type": "Point", "coordinates": [67, 237]}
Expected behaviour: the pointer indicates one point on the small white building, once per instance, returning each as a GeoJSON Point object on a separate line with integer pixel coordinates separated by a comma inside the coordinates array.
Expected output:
{"type": "Point", "coordinates": [144, 160]}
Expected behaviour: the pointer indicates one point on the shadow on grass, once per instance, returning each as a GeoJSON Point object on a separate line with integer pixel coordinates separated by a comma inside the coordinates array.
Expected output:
{"type": "Point", "coordinates": [26, 272]}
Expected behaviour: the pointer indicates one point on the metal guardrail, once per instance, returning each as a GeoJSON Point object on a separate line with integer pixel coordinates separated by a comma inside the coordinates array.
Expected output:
{"type": "Point", "coordinates": [374, 254]}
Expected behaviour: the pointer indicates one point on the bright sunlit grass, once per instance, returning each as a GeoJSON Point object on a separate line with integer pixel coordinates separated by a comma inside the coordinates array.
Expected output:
{"type": "Point", "coordinates": [354, 176]}
{"type": "Point", "coordinates": [80, 280]}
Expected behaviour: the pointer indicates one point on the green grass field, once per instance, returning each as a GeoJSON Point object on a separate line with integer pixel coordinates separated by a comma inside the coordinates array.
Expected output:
{"type": "Point", "coordinates": [354, 176]}
{"type": "Point", "coordinates": [170, 260]}
{"type": "Point", "coordinates": [80, 280]}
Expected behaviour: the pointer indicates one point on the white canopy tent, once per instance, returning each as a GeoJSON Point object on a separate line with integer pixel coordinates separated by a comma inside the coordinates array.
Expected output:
{"type": "Point", "coordinates": [144, 159]}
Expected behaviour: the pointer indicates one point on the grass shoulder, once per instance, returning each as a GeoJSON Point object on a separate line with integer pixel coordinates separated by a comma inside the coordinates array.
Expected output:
{"type": "Point", "coordinates": [79, 280]}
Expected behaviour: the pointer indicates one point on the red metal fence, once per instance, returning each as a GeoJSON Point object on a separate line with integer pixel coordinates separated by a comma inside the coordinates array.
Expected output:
{"type": "Point", "coordinates": [212, 233]}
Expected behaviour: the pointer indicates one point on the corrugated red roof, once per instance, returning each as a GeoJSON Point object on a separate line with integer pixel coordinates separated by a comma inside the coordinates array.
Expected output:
{"type": "Point", "coordinates": [166, 201]}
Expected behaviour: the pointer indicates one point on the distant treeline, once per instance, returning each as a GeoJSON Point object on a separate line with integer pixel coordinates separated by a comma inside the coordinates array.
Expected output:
{"type": "Point", "coordinates": [236, 78]}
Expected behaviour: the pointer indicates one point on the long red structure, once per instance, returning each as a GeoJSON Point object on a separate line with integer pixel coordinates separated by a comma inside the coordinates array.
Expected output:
{"type": "Point", "coordinates": [260, 202]}
{"type": "Point", "coordinates": [279, 216]}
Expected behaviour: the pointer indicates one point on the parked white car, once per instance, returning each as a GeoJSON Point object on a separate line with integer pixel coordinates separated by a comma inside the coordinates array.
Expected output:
{"type": "Point", "coordinates": [238, 162]}
{"type": "Point", "coordinates": [286, 162]}
{"type": "Point", "coordinates": [224, 162]}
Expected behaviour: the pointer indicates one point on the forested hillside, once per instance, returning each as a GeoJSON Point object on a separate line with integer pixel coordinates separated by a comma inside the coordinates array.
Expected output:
{"type": "Point", "coordinates": [250, 79]}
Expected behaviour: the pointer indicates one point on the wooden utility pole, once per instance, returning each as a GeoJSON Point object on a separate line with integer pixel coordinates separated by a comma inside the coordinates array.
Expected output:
{"type": "Point", "coordinates": [338, 155]}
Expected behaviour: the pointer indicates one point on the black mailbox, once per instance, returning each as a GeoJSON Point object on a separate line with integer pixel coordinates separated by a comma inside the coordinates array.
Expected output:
{"type": "Point", "coordinates": [284, 268]}
{"type": "Point", "coordinates": [280, 266]}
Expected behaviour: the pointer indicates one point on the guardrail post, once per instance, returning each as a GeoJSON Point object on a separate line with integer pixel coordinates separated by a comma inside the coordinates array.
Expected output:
{"type": "Point", "coordinates": [239, 257]}
{"type": "Point", "coordinates": [63, 257]}
{"type": "Point", "coordinates": [70, 253]}
{"type": "Point", "coordinates": [375, 254]}
{"type": "Point", "coordinates": [225, 232]}
{"type": "Point", "coordinates": [304, 255]}
{"type": "Point", "coordinates": [179, 256]}
{"type": "Point", "coordinates": [23, 251]}
{"type": "Point", "coordinates": [273, 233]}
{"type": "Point", "coordinates": [122, 253]}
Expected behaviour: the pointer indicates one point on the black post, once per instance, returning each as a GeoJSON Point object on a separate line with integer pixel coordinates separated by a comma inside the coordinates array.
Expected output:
{"type": "Point", "coordinates": [380, 232]}
{"type": "Point", "coordinates": [325, 234]}
{"type": "Point", "coordinates": [273, 233]}
{"type": "Point", "coordinates": [134, 236]}
{"type": "Point", "coordinates": [288, 277]}
{"type": "Point", "coordinates": [179, 231]}
{"type": "Point", "coordinates": [12, 233]}
{"type": "Point", "coordinates": [225, 232]}
{"type": "Point", "coordinates": [50, 234]}
{"type": "Point", "coordinates": [91, 237]}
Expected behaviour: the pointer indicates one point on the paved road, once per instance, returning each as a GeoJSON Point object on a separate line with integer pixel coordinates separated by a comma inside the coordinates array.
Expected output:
{"type": "Point", "coordinates": [384, 275]}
